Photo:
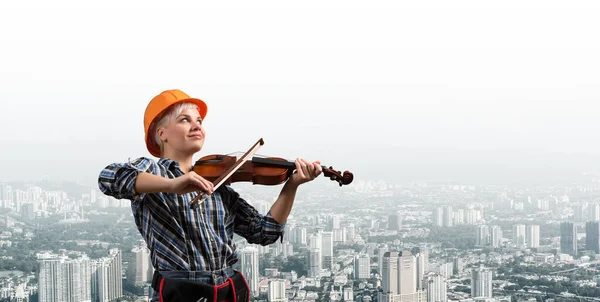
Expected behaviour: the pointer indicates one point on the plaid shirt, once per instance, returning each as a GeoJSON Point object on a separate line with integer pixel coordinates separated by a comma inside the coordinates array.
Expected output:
{"type": "Point", "coordinates": [182, 239]}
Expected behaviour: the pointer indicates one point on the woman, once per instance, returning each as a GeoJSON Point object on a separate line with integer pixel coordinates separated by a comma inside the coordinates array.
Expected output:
{"type": "Point", "coordinates": [191, 244]}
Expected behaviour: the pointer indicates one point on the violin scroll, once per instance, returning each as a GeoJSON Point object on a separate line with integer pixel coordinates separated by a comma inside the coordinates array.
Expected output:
{"type": "Point", "coordinates": [343, 179]}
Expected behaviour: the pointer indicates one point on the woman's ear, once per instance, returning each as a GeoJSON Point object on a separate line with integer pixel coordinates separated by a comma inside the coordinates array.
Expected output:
{"type": "Point", "coordinates": [161, 134]}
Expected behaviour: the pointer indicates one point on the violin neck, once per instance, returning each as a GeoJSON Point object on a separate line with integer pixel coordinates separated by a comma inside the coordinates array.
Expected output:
{"type": "Point", "coordinates": [275, 163]}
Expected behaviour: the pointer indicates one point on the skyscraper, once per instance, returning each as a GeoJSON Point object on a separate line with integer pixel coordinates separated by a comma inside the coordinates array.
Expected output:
{"type": "Point", "coordinates": [436, 288]}
{"type": "Point", "coordinates": [399, 278]}
{"type": "Point", "coordinates": [394, 222]}
{"type": "Point", "coordinates": [249, 268]}
{"type": "Point", "coordinates": [448, 215]}
{"type": "Point", "coordinates": [438, 216]}
{"type": "Point", "coordinates": [327, 250]}
{"type": "Point", "coordinates": [315, 262]}
{"type": "Point", "coordinates": [64, 279]}
{"type": "Point", "coordinates": [496, 236]}
{"type": "Point", "coordinates": [594, 212]}
{"type": "Point", "coordinates": [533, 236]}
{"type": "Point", "coordinates": [568, 238]}
{"type": "Point", "coordinates": [481, 283]}
{"type": "Point", "coordinates": [389, 277]}
{"type": "Point", "coordinates": [277, 291]}
{"type": "Point", "coordinates": [140, 270]}
{"type": "Point", "coordinates": [106, 277]}
{"type": "Point", "coordinates": [592, 236]}
{"type": "Point", "coordinates": [483, 236]}
{"type": "Point", "coordinates": [519, 235]}
{"type": "Point", "coordinates": [333, 222]}
{"type": "Point", "coordinates": [362, 266]}
{"type": "Point", "coordinates": [51, 285]}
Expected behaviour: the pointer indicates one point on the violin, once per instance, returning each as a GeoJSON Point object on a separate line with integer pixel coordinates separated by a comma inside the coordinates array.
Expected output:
{"type": "Point", "coordinates": [225, 169]}
{"type": "Point", "coordinates": [268, 171]}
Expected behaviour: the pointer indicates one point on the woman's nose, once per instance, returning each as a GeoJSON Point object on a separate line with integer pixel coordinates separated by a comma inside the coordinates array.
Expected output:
{"type": "Point", "coordinates": [195, 126]}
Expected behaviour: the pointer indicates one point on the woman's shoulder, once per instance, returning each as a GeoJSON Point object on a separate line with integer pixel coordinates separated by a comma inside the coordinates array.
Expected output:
{"type": "Point", "coordinates": [148, 162]}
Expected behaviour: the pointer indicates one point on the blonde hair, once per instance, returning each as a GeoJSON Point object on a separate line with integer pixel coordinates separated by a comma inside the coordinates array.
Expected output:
{"type": "Point", "coordinates": [165, 118]}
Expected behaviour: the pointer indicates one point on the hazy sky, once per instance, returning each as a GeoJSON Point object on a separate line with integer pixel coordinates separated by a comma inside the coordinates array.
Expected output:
{"type": "Point", "coordinates": [367, 80]}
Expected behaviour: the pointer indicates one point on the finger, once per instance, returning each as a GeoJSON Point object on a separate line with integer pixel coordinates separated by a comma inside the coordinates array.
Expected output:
{"type": "Point", "coordinates": [299, 168]}
{"type": "Point", "coordinates": [208, 185]}
{"type": "Point", "coordinates": [202, 183]}
{"type": "Point", "coordinates": [318, 168]}
{"type": "Point", "coordinates": [307, 167]}
{"type": "Point", "coordinates": [195, 183]}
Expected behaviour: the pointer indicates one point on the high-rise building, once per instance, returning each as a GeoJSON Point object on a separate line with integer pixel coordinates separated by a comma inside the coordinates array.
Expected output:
{"type": "Point", "coordinates": [77, 275]}
{"type": "Point", "coordinates": [140, 270]}
{"type": "Point", "coordinates": [472, 216]}
{"type": "Point", "coordinates": [64, 279]}
{"type": "Point", "coordinates": [592, 236]}
{"type": "Point", "coordinates": [457, 265]}
{"type": "Point", "coordinates": [436, 288]}
{"type": "Point", "coordinates": [459, 217]}
{"type": "Point", "coordinates": [51, 280]}
{"type": "Point", "coordinates": [483, 236]}
{"type": "Point", "coordinates": [579, 212]}
{"type": "Point", "coordinates": [407, 273]}
{"type": "Point", "coordinates": [362, 266]}
{"type": "Point", "coordinates": [106, 277]}
{"type": "Point", "coordinates": [568, 238]}
{"type": "Point", "coordinates": [519, 235]}
{"type": "Point", "coordinates": [394, 222]}
{"type": "Point", "coordinates": [481, 283]}
{"type": "Point", "coordinates": [277, 291]}
{"type": "Point", "coordinates": [389, 277]}
{"type": "Point", "coordinates": [327, 250]}
{"type": "Point", "coordinates": [448, 215]}
{"type": "Point", "coordinates": [315, 262]}
{"type": "Point", "coordinates": [249, 268]}
{"type": "Point", "coordinates": [420, 270]}
{"type": "Point", "coordinates": [496, 236]}
{"type": "Point", "coordinates": [399, 278]}
{"type": "Point", "coordinates": [301, 235]}
{"type": "Point", "coordinates": [438, 216]}
{"type": "Point", "coordinates": [333, 222]}
{"type": "Point", "coordinates": [446, 269]}
{"type": "Point", "coordinates": [382, 250]}
{"type": "Point", "coordinates": [533, 236]}
{"type": "Point", "coordinates": [594, 212]}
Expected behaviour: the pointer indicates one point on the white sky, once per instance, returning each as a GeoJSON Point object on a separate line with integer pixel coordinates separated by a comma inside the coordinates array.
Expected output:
{"type": "Point", "coordinates": [357, 78]}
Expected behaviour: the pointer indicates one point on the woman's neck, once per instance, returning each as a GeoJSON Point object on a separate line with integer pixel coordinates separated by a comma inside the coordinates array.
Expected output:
{"type": "Point", "coordinates": [184, 160]}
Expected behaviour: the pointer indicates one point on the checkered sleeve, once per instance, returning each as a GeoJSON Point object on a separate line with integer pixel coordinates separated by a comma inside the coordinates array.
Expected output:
{"type": "Point", "coordinates": [250, 224]}
{"type": "Point", "coordinates": [118, 179]}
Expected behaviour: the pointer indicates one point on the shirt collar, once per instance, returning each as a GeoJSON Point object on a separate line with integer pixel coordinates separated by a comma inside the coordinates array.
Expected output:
{"type": "Point", "coordinates": [172, 164]}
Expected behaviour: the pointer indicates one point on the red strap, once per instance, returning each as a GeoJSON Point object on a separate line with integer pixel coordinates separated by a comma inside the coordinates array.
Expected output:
{"type": "Point", "coordinates": [160, 291]}
{"type": "Point", "coordinates": [233, 289]}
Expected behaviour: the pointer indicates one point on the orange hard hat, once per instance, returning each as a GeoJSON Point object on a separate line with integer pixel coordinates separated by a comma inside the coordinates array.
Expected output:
{"type": "Point", "coordinates": [158, 105]}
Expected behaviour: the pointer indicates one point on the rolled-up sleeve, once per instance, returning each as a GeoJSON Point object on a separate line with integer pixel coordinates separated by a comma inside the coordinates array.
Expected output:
{"type": "Point", "coordinates": [255, 227]}
{"type": "Point", "coordinates": [118, 179]}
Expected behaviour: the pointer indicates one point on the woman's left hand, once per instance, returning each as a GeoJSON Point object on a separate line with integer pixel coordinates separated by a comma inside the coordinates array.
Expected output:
{"type": "Point", "coordinates": [305, 171]}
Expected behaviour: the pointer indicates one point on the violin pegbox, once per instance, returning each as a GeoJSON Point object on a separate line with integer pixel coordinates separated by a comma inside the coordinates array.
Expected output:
{"type": "Point", "coordinates": [342, 178]}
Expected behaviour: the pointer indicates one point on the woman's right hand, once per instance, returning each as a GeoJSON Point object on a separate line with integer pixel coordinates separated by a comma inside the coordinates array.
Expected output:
{"type": "Point", "coordinates": [190, 182]}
